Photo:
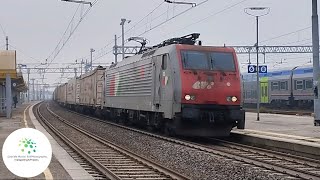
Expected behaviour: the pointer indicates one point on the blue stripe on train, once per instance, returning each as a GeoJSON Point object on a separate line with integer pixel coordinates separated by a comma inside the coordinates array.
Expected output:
{"type": "Point", "coordinates": [287, 72]}
{"type": "Point", "coordinates": [284, 73]}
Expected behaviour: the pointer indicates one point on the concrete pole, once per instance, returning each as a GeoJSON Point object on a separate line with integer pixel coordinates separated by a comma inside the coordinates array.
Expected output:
{"type": "Point", "coordinates": [8, 96]}
{"type": "Point", "coordinates": [115, 49]}
{"type": "Point", "coordinates": [28, 85]}
{"type": "Point", "coordinates": [37, 90]}
{"type": "Point", "coordinates": [122, 25]}
{"type": "Point", "coordinates": [91, 51]}
{"type": "Point", "coordinates": [44, 92]}
{"type": "Point", "coordinates": [90, 60]}
{"type": "Point", "coordinates": [258, 79]}
{"type": "Point", "coordinates": [123, 41]}
{"type": "Point", "coordinates": [33, 90]}
{"type": "Point", "coordinates": [315, 49]}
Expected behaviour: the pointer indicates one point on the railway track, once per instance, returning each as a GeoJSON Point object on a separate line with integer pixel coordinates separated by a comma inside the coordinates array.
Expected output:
{"type": "Point", "coordinates": [111, 160]}
{"type": "Point", "coordinates": [297, 166]}
{"type": "Point", "coordinates": [276, 162]}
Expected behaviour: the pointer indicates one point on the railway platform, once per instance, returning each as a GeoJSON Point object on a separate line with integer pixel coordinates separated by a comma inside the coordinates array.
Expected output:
{"type": "Point", "coordinates": [291, 133]}
{"type": "Point", "coordinates": [62, 166]}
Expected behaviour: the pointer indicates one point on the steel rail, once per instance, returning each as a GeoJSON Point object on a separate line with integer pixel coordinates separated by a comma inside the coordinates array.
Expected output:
{"type": "Point", "coordinates": [163, 172]}
{"type": "Point", "coordinates": [281, 161]}
{"type": "Point", "coordinates": [270, 151]}
{"type": "Point", "coordinates": [263, 164]}
{"type": "Point", "coordinates": [77, 149]}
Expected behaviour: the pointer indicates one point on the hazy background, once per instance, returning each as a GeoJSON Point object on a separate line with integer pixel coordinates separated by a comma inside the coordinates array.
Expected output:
{"type": "Point", "coordinates": [35, 27]}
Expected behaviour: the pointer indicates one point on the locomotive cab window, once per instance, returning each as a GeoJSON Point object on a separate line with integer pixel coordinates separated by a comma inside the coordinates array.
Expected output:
{"type": "Point", "coordinates": [222, 61]}
{"type": "Point", "coordinates": [219, 61]}
{"type": "Point", "coordinates": [195, 60]}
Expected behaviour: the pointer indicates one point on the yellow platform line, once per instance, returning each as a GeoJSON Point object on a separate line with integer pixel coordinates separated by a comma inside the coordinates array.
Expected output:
{"type": "Point", "coordinates": [47, 174]}
{"type": "Point", "coordinates": [25, 117]}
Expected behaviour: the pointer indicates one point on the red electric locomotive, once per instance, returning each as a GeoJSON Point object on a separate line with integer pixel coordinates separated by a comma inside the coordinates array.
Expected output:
{"type": "Point", "coordinates": [187, 89]}
{"type": "Point", "coordinates": [210, 90]}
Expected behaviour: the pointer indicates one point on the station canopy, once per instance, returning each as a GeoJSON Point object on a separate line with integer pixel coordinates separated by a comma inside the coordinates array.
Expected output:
{"type": "Point", "coordinates": [8, 65]}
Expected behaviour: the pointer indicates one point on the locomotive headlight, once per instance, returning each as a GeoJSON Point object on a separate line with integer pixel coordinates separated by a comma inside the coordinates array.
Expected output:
{"type": "Point", "coordinates": [187, 97]}
{"type": "Point", "coordinates": [234, 99]}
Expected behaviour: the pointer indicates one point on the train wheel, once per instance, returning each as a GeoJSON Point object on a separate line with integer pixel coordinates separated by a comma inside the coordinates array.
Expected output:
{"type": "Point", "coordinates": [151, 129]}
{"type": "Point", "coordinates": [113, 116]}
{"type": "Point", "coordinates": [123, 119]}
{"type": "Point", "coordinates": [158, 123]}
{"type": "Point", "coordinates": [168, 129]}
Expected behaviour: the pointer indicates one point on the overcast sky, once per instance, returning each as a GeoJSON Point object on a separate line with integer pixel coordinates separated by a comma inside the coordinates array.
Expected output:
{"type": "Point", "coordinates": [35, 27]}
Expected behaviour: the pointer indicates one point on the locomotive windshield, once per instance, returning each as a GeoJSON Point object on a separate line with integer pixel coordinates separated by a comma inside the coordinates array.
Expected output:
{"type": "Point", "coordinates": [222, 61]}
{"type": "Point", "coordinates": [219, 61]}
{"type": "Point", "coordinates": [195, 60]}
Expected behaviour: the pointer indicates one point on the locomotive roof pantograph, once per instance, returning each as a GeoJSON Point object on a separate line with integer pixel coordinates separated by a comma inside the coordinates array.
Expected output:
{"type": "Point", "coordinates": [189, 39]}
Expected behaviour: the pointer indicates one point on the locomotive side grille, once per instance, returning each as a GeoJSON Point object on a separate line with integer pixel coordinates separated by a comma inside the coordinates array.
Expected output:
{"type": "Point", "coordinates": [130, 80]}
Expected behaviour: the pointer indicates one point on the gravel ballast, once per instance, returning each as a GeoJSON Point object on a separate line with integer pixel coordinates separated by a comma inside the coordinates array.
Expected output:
{"type": "Point", "coordinates": [190, 162]}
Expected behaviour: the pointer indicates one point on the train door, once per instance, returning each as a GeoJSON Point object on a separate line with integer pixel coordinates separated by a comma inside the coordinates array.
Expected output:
{"type": "Point", "coordinates": [99, 87]}
{"type": "Point", "coordinates": [157, 63]}
{"type": "Point", "coordinates": [264, 90]}
{"type": "Point", "coordinates": [163, 87]}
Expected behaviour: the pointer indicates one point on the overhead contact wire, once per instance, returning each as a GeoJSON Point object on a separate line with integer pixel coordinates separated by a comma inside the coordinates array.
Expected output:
{"type": "Point", "coordinates": [71, 32]}
{"type": "Point", "coordinates": [173, 17]}
{"type": "Point", "coordinates": [286, 34]}
{"type": "Point", "coordinates": [2, 29]}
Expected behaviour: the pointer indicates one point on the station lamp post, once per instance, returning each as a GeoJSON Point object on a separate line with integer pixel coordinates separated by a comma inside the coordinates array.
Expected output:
{"type": "Point", "coordinates": [291, 98]}
{"type": "Point", "coordinates": [257, 12]}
